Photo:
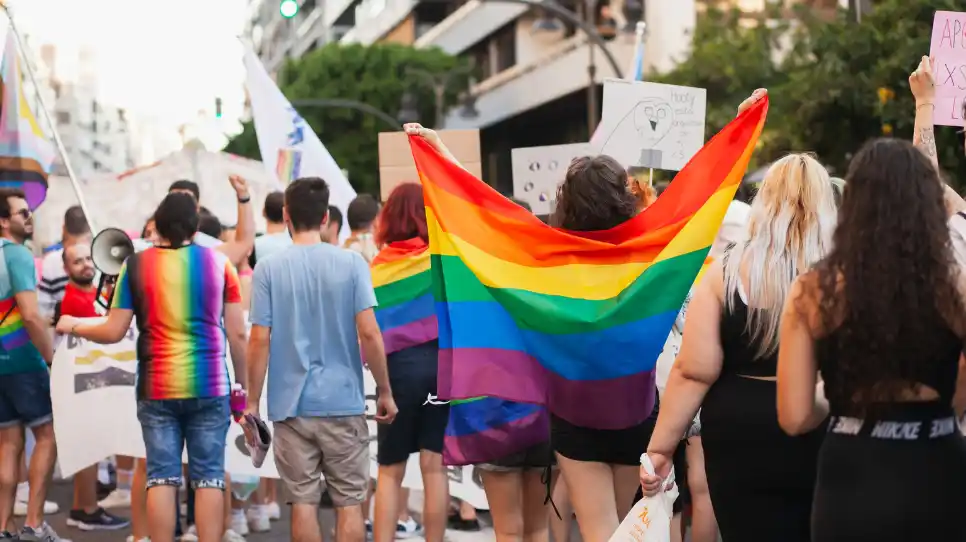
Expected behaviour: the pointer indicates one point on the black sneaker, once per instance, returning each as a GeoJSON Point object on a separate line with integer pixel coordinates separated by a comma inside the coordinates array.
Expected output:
{"type": "Point", "coordinates": [8, 536]}
{"type": "Point", "coordinates": [456, 523]}
{"type": "Point", "coordinates": [99, 520]}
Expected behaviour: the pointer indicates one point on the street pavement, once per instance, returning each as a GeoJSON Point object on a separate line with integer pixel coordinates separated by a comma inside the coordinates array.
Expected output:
{"type": "Point", "coordinates": [61, 493]}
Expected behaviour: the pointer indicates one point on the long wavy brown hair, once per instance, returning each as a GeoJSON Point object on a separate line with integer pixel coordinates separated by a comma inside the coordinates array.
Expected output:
{"type": "Point", "coordinates": [889, 287]}
{"type": "Point", "coordinates": [594, 196]}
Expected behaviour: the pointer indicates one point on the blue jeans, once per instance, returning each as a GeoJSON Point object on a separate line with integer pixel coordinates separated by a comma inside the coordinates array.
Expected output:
{"type": "Point", "coordinates": [25, 399]}
{"type": "Point", "coordinates": [170, 425]}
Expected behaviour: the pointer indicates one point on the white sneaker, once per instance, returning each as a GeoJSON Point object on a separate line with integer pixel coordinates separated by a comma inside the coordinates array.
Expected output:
{"type": "Point", "coordinates": [20, 508]}
{"type": "Point", "coordinates": [130, 538]}
{"type": "Point", "coordinates": [274, 512]}
{"type": "Point", "coordinates": [119, 498]}
{"type": "Point", "coordinates": [239, 523]}
{"type": "Point", "coordinates": [190, 535]}
{"type": "Point", "coordinates": [407, 529]}
{"type": "Point", "coordinates": [258, 520]}
{"type": "Point", "coordinates": [231, 536]}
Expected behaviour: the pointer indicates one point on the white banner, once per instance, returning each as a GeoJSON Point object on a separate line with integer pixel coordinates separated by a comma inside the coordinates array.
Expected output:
{"type": "Point", "coordinates": [95, 416]}
{"type": "Point", "coordinates": [287, 143]}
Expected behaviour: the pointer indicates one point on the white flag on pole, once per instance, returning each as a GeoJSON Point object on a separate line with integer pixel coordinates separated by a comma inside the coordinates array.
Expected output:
{"type": "Point", "coordinates": [289, 147]}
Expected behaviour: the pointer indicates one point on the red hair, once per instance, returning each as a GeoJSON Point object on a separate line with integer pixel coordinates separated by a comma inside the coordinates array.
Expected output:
{"type": "Point", "coordinates": [403, 216]}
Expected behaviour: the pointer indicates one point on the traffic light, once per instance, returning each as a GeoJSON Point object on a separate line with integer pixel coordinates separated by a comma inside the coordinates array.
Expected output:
{"type": "Point", "coordinates": [217, 108]}
{"type": "Point", "coordinates": [288, 8]}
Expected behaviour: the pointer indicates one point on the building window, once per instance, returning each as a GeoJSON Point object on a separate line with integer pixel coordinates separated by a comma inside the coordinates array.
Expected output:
{"type": "Point", "coordinates": [63, 117]}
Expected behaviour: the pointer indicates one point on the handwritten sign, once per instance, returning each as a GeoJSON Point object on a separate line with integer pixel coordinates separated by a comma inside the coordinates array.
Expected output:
{"type": "Point", "coordinates": [537, 171]}
{"type": "Point", "coordinates": [651, 125]}
{"type": "Point", "coordinates": [949, 49]}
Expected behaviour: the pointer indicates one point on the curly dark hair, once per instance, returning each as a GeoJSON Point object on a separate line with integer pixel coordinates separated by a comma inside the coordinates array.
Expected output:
{"type": "Point", "coordinates": [888, 288]}
{"type": "Point", "coordinates": [594, 195]}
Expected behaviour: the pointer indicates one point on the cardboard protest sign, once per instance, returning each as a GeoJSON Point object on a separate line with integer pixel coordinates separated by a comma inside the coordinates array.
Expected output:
{"type": "Point", "coordinates": [396, 164]}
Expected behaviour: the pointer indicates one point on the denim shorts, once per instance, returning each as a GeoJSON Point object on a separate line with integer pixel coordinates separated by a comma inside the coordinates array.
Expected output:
{"type": "Point", "coordinates": [170, 425]}
{"type": "Point", "coordinates": [25, 399]}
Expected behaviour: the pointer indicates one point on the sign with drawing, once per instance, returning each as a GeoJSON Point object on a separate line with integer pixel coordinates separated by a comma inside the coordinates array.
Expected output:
{"type": "Point", "coordinates": [537, 171]}
{"type": "Point", "coordinates": [651, 125]}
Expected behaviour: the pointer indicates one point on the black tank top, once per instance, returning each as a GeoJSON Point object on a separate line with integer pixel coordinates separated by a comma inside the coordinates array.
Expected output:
{"type": "Point", "coordinates": [937, 369]}
{"type": "Point", "coordinates": [738, 346]}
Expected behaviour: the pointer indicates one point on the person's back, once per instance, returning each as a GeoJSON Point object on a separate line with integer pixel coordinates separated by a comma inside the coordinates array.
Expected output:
{"type": "Point", "coordinates": [312, 316]}
{"type": "Point", "coordinates": [180, 335]}
{"type": "Point", "coordinates": [877, 328]}
{"type": "Point", "coordinates": [314, 295]}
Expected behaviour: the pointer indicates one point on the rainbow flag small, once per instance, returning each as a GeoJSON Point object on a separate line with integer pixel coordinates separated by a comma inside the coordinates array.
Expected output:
{"type": "Point", "coordinates": [403, 284]}
{"type": "Point", "coordinates": [573, 321]}
{"type": "Point", "coordinates": [485, 428]}
{"type": "Point", "coordinates": [13, 334]}
{"type": "Point", "coordinates": [26, 155]}
{"type": "Point", "coordinates": [289, 165]}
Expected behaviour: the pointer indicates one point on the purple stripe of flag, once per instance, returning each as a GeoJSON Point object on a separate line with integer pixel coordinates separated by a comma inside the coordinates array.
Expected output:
{"type": "Point", "coordinates": [497, 442]}
{"type": "Point", "coordinates": [515, 376]}
{"type": "Point", "coordinates": [411, 334]}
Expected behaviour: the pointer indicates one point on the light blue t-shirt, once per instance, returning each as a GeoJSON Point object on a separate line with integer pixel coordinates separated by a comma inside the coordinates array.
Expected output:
{"type": "Point", "coordinates": [271, 243]}
{"type": "Point", "coordinates": [309, 296]}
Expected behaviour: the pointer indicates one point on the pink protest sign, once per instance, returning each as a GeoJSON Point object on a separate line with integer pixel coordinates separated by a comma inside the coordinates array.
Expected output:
{"type": "Point", "coordinates": [949, 49]}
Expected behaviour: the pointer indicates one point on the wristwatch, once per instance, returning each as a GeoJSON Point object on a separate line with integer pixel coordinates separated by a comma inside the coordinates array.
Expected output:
{"type": "Point", "coordinates": [246, 199]}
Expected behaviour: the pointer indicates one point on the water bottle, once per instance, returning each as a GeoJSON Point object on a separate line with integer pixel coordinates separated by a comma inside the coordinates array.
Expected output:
{"type": "Point", "coordinates": [238, 401]}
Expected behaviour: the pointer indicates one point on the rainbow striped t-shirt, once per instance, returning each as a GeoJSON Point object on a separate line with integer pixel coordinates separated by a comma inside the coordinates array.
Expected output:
{"type": "Point", "coordinates": [18, 273]}
{"type": "Point", "coordinates": [178, 296]}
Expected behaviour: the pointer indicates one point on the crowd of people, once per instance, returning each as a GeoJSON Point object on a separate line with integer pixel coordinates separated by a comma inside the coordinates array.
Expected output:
{"type": "Point", "coordinates": [810, 389]}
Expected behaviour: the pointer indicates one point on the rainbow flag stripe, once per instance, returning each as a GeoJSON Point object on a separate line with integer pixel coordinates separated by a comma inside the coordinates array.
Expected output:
{"type": "Point", "coordinates": [485, 428]}
{"type": "Point", "coordinates": [401, 278]}
{"type": "Point", "coordinates": [26, 155]}
{"type": "Point", "coordinates": [289, 165]}
{"type": "Point", "coordinates": [574, 321]}
{"type": "Point", "coordinates": [13, 334]}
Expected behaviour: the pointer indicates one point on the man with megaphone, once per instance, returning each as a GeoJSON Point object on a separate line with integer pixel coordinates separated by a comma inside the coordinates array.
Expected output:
{"type": "Point", "coordinates": [187, 299]}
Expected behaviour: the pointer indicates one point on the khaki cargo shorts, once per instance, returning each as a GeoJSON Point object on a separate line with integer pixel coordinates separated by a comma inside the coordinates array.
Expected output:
{"type": "Point", "coordinates": [338, 448]}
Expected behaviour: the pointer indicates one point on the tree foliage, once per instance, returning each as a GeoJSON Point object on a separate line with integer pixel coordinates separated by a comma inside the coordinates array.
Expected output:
{"type": "Point", "coordinates": [376, 75]}
{"type": "Point", "coordinates": [834, 83]}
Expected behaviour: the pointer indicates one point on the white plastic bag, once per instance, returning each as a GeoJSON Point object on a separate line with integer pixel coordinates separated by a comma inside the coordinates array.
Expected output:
{"type": "Point", "coordinates": [650, 519]}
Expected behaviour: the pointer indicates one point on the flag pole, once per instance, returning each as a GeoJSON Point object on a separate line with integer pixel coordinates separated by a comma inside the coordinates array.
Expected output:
{"type": "Point", "coordinates": [50, 121]}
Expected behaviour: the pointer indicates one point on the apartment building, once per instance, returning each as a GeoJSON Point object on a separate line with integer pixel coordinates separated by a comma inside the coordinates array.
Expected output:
{"type": "Point", "coordinates": [97, 137]}
{"type": "Point", "coordinates": [540, 78]}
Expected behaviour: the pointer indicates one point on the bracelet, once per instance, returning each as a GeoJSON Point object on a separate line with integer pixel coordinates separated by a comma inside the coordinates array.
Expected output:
{"type": "Point", "coordinates": [246, 199]}
{"type": "Point", "coordinates": [925, 104]}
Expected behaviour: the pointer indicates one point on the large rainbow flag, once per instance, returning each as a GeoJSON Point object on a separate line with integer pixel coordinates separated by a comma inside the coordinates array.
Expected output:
{"type": "Point", "coordinates": [573, 321]}
{"type": "Point", "coordinates": [401, 278]}
{"type": "Point", "coordinates": [26, 155]}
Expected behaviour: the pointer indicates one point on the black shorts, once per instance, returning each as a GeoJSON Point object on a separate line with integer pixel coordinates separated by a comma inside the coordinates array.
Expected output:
{"type": "Point", "coordinates": [539, 456]}
{"type": "Point", "coordinates": [418, 425]}
{"type": "Point", "coordinates": [614, 447]}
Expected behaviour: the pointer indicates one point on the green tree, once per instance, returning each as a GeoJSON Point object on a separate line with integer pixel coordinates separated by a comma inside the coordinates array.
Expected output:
{"type": "Point", "coordinates": [848, 82]}
{"type": "Point", "coordinates": [375, 75]}
{"type": "Point", "coordinates": [731, 55]}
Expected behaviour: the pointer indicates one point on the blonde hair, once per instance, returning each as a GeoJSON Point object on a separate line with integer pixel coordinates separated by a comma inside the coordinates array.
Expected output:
{"type": "Point", "coordinates": [790, 228]}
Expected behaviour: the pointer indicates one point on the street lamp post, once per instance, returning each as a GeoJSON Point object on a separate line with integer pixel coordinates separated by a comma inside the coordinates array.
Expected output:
{"type": "Point", "coordinates": [350, 104]}
{"type": "Point", "coordinates": [439, 85]}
